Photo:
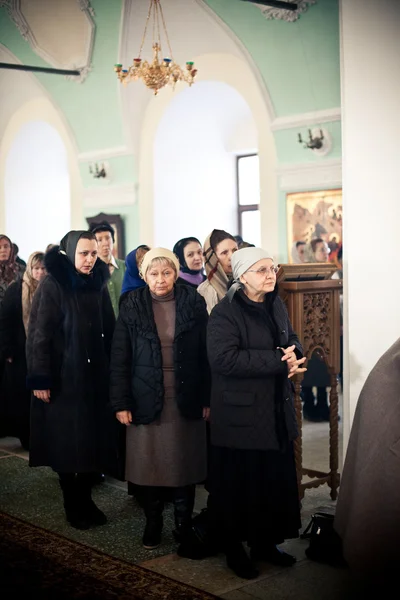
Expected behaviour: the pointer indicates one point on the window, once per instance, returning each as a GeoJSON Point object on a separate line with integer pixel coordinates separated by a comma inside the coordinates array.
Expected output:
{"type": "Point", "coordinates": [248, 194]}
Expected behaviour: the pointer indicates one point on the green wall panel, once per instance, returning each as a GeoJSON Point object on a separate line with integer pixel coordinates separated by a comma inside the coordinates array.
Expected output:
{"type": "Point", "coordinates": [298, 61]}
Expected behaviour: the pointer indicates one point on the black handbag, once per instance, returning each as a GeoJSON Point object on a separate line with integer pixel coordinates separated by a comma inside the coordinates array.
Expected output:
{"type": "Point", "coordinates": [325, 544]}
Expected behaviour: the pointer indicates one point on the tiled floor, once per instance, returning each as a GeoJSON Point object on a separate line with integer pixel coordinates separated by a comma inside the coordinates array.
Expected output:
{"type": "Point", "coordinates": [305, 581]}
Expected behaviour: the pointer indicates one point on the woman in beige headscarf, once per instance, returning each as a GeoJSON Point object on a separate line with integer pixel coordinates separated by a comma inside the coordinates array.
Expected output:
{"type": "Point", "coordinates": [160, 388]}
{"type": "Point", "coordinates": [218, 250]}
{"type": "Point", "coordinates": [14, 320]}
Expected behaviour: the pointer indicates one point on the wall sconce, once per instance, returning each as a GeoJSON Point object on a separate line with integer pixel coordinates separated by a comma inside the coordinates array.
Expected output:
{"type": "Point", "coordinates": [98, 171]}
{"type": "Point", "coordinates": [319, 141]}
{"type": "Point", "coordinates": [314, 143]}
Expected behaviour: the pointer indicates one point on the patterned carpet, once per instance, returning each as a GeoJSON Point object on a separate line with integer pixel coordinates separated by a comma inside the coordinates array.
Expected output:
{"type": "Point", "coordinates": [43, 564]}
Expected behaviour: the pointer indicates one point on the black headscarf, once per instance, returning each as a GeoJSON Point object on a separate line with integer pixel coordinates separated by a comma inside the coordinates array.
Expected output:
{"type": "Point", "coordinates": [179, 251]}
{"type": "Point", "coordinates": [69, 243]}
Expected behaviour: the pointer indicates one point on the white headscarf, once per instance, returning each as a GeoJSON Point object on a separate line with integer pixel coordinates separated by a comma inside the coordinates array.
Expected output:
{"type": "Point", "coordinates": [242, 261]}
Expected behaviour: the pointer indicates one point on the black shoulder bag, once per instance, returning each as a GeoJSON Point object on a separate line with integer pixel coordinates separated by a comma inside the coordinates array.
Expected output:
{"type": "Point", "coordinates": [325, 544]}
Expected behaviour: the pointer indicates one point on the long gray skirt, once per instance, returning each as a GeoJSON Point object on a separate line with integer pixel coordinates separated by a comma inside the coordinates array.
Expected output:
{"type": "Point", "coordinates": [170, 452]}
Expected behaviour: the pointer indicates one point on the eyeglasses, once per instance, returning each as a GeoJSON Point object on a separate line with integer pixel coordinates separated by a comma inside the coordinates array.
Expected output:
{"type": "Point", "coordinates": [264, 270]}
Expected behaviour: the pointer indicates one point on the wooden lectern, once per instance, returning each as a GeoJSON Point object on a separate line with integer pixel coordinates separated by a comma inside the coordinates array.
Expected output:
{"type": "Point", "coordinates": [312, 299]}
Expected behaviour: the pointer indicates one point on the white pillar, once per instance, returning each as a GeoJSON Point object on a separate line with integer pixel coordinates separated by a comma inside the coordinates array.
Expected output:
{"type": "Point", "coordinates": [370, 80]}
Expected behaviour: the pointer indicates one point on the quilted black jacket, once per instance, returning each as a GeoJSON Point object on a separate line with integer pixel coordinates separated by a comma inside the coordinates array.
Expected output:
{"type": "Point", "coordinates": [136, 360]}
{"type": "Point", "coordinates": [252, 398]}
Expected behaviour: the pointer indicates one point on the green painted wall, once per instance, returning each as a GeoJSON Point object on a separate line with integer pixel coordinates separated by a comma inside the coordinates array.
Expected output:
{"type": "Point", "coordinates": [92, 108]}
{"type": "Point", "coordinates": [298, 61]}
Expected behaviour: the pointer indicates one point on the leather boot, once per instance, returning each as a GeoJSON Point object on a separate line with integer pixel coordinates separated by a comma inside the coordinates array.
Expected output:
{"type": "Point", "coordinates": [153, 504]}
{"type": "Point", "coordinates": [74, 513]}
{"type": "Point", "coordinates": [94, 515]}
{"type": "Point", "coordinates": [183, 510]}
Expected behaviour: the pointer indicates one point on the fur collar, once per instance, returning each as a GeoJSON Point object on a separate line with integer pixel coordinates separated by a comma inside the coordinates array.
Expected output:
{"type": "Point", "coordinates": [63, 271]}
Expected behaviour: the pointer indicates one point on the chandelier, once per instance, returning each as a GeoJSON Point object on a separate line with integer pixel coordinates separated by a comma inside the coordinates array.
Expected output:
{"type": "Point", "coordinates": [161, 71]}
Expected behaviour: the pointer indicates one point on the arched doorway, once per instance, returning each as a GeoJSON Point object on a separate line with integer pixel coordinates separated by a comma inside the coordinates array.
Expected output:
{"type": "Point", "coordinates": [37, 187]}
{"type": "Point", "coordinates": [199, 136]}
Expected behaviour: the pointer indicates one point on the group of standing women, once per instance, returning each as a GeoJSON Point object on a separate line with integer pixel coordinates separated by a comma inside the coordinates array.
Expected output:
{"type": "Point", "coordinates": [17, 289]}
{"type": "Point", "coordinates": [169, 369]}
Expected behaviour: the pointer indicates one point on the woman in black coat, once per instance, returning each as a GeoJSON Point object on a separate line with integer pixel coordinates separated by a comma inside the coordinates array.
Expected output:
{"type": "Point", "coordinates": [69, 339]}
{"type": "Point", "coordinates": [253, 353]}
{"type": "Point", "coordinates": [160, 387]}
{"type": "Point", "coordinates": [14, 319]}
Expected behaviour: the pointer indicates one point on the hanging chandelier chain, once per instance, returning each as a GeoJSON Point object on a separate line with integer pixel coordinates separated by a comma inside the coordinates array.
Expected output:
{"type": "Point", "coordinates": [162, 69]}
{"type": "Point", "coordinates": [157, 21]}
{"type": "Point", "coordinates": [145, 29]}
{"type": "Point", "coordinates": [165, 29]}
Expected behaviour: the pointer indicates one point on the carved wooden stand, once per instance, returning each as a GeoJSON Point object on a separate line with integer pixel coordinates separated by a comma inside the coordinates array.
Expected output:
{"type": "Point", "coordinates": [314, 310]}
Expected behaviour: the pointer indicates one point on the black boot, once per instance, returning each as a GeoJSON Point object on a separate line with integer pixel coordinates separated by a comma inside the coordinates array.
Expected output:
{"type": "Point", "coordinates": [72, 506]}
{"type": "Point", "coordinates": [153, 504]}
{"type": "Point", "coordinates": [94, 515]}
{"type": "Point", "coordinates": [239, 562]}
{"type": "Point", "coordinates": [183, 510]}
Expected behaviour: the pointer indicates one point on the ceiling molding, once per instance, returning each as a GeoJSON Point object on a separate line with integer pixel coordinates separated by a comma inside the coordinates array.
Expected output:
{"type": "Point", "coordinates": [34, 36]}
{"type": "Point", "coordinates": [100, 155]}
{"type": "Point", "coordinates": [307, 176]}
{"type": "Point", "coordinates": [317, 117]}
{"type": "Point", "coordinates": [107, 197]}
{"type": "Point", "coordinates": [286, 15]}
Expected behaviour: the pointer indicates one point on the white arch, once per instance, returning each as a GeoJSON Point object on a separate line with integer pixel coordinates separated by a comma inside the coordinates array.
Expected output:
{"type": "Point", "coordinates": [238, 74]}
{"type": "Point", "coordinates": [41, 109]}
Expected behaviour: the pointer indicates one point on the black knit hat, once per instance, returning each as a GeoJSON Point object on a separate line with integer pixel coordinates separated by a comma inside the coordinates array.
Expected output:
{"type": "Point", "coordinates": [102, 226]}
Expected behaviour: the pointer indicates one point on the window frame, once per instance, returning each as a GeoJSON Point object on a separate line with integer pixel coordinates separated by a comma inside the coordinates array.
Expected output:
{"type": "Point", "coordinates": [242, 208]}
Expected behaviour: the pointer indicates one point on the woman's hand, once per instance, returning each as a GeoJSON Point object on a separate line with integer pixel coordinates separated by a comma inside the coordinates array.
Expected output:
{"type": "Point", "coordinates": [124, 417]}
{"type": "Point", "coordinates": [293, 362]}
{"type": "Point", "coordinates": [295, 367]}
{"type": "Point", "coordinates": [206, 413]}
{"type": "Point", "coordinates": [42, 395]}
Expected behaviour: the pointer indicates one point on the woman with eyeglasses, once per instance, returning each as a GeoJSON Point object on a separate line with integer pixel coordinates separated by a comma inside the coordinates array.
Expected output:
{"type": "Point", "coordinates": [253, 354]}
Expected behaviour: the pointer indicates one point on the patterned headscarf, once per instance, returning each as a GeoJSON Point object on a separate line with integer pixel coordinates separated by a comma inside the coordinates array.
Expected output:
{"type": "Point", "coordinates": [215, 273]}
{"type": "Point", "coordinates": [8, 268]}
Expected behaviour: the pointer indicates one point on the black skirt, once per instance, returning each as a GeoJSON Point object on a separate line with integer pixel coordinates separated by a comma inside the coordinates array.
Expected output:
{"type": "Point", "coordinates": [254, 495]}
